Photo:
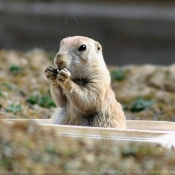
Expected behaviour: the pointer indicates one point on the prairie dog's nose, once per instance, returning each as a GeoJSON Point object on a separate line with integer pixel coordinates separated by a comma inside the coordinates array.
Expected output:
{"type": "Point", "coordinates": [58, 59]}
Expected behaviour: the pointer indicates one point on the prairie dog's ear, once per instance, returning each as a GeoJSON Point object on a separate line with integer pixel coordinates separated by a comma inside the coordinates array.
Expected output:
{"type": "Point", "coordinates": [98, 46]}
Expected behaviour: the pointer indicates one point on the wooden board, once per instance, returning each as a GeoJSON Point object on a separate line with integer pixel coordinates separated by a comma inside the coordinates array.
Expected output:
{"type": "Point", "coordinates": [131, 124]}
{"type": "Point", "coordinates": [147, 131]}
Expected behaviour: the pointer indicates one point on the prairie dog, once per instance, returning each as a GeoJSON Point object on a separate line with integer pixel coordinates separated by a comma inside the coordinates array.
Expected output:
{"type": "Point", "coordinates": [80, 86]}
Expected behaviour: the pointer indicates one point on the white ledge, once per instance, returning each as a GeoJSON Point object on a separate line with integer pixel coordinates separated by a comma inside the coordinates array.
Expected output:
{"type": "Point", "coordinates": [137, 130]}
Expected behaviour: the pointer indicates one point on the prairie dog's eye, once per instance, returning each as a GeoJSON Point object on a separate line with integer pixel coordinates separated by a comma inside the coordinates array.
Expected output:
{"type": "Point", "coordinates": [82, 48]}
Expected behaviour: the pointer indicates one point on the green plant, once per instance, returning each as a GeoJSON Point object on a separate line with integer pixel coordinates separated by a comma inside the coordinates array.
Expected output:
{"type": "Point", "coordinates": [141, 104]}
{"type": "Point", "coordinates": [8, 86]}
{"type": "Point", "coordinates": [117, 75]}
{"type": "Point", "coordinates": [14, 108]}
{"type": "Point", "coordinates": [1, 94]}
{"type": "Point", "coordinates": [47, 102]}
{"type": "Point", "coordinates": [43, 101]}
{"type": "Point", "coordinates": [15, 69]}
{"type": "Point", "coordinates": [33, 99]}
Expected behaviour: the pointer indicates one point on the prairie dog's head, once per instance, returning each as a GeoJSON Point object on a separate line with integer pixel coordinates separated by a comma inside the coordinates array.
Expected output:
{"type": "Point", "coordinates": [76, 53]}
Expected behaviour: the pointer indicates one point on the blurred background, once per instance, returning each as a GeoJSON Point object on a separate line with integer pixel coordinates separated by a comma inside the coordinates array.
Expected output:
{"type": "Point", "coordinates": [131, 32]}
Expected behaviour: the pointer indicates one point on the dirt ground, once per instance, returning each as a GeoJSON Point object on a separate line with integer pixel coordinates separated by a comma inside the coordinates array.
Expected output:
{"type": "Point", "coordinates": [146, 92]}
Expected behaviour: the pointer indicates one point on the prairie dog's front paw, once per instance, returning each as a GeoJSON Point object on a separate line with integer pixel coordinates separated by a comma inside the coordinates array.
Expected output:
{"type": "Point", "coordinates": [63, 76]}
{"type": "Point", "coordinates": [51, 74]}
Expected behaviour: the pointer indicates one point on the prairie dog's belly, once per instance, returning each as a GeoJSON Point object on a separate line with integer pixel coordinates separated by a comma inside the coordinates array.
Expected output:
{"type": "Point", "coordinates": [68, 116]}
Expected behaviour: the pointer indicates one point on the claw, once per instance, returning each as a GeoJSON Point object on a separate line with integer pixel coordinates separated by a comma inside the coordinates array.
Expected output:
{"type": "Point", "coordinates": [55, 71]}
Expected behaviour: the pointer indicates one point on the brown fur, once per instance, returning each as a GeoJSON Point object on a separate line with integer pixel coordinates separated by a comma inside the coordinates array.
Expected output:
{"type": "Point", "coordinates": [81, 87]}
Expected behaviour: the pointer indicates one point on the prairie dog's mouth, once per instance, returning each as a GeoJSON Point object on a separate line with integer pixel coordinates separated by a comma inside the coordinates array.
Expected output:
{"type": "Point", "coordinates": [58, 68]}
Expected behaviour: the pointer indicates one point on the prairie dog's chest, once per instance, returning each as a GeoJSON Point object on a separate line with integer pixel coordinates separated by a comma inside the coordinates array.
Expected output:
{"type": "Point", "coordinates": [81, 82]}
